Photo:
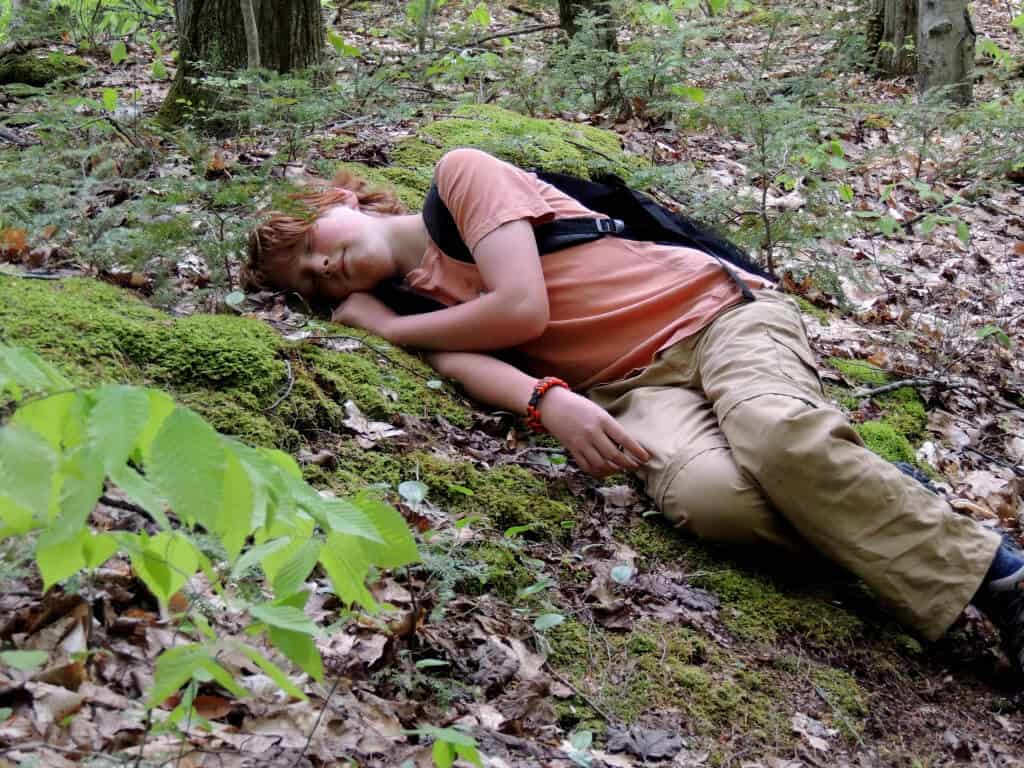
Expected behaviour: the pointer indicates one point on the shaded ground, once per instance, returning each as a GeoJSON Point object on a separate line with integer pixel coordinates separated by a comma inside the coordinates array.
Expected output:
{"type": "Point", "coordinates": [558, 621]}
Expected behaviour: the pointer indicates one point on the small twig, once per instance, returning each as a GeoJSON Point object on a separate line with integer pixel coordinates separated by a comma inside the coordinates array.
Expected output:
{"type": "Point", "coordinates": [127, 136]}
{"type": "Point", "coordinates": [287, 389]}
{"type": "Point", "coordinates": [589, 702]}
{"type": "Point", "coordinates": [988, 457]}
{"type": "Point", "coordinates": [511, 33]}
{"type": "Point", "coordinates": [892, 386]}
{"type": "Point", "coordinates": [319, 717]}
{"type": "Point", "coordinates": [145, 733]}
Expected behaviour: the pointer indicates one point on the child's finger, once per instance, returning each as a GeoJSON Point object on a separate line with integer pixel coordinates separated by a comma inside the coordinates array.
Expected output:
{"type": "Point", "coordinates": [623, 438]}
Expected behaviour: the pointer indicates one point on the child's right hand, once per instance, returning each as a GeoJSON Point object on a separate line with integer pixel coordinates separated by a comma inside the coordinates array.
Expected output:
{"type": "Point", "coordinates": [598, 443]}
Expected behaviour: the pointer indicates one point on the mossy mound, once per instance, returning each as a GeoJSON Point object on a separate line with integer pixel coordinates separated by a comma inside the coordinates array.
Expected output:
{"type": "Point", "coordinates": [885, 440]}
{"type": "Point", "coordinates": [503, 496]}
{"type": "Point", "coordinates": [859, 371]}
{"type": "Point", "coordinates": [32, 69]}
{"type": "Point", "coordinates": [230, 369]}
{"type": "Point", "coordinates": [657, 667]}
{"type": "Point", "coordinates": [553, 145]}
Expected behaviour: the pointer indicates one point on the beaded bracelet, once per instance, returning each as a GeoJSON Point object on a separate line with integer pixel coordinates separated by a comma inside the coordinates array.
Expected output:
{"type": "Point", "coordinates": [533, 407]}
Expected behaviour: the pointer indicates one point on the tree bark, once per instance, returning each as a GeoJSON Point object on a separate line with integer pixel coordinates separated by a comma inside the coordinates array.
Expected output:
{"type": "Point", "coordinates": [290, 36]}
{"type": "Point", "coordinates": [568, 17]}
{"type": "Point", "coordinates": [891, 34]}
{"type": "Point", "coordinates": [946, 49]}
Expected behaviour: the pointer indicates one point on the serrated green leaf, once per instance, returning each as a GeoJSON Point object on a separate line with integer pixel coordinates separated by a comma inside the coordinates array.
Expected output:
{"type": "Point", "coordinates": [176, 666]}
{"type": "Point", "coordinates": [47, 416]}
{"type": "Point", "coordinates": [927, 225]}
{"type": "Point", "coordinates": [234, 521]}
{"type": "Point", "coordinates": [161, 405]}
{"type": "Point", "coordinates": [347, 565]}
{"type": "Point", "coordinates": [25, 369]}
{"type": "Point", "coordinates": [887, 225]}
{"type": "Point", "coordinates": [443, 754]}
{"type": "Point", "coordinates": [339, 44]}
{"type": "Point", "coordinates": [118, 52]}
{"type": "Point", "coordinates": [297, 646]}
{"type": "Point", "coordinates": [283, 617]}
{"type": "Point", "coordinates": [159, 71]}
{"type": "Point", "coordinates": [1018, 23]}
{"type": "Point", "coordinates": [23, 660]}
{"type": "Point", "coordinates": [165, 563]}
{"type": "Point", "coordinates": [109, 99]}
{"type": "Point", "coordinates": [293, 573]}
{"type": "Point", "coordinates": [342, 516]}
{"type": "Point", "coordinates": [59, 557]}
{"type": "Point", "coordinates": [116, 421]}
{"type": "Point", "coordinates": [480, 16]}
{"type": "Point", "coordinates": [97, 548]}
{"type": "Point", "coordinates": [255, 555]}
{"type": "Point", "coordinates": [398, 547]}
{"type": "Point", "coordinates": [187, 464]}
{"type": "Point", "coordinates": [274, 672]}
{"type": "Point", "coordinates": [83, 476]}
{"type": "Point", "coordinates": [846, 193]}
{"type": "Point", "coordinates": [27, 467]}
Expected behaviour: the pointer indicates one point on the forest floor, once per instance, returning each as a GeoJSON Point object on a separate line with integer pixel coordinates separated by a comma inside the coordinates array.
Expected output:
{"type": "Point", "coordinates": [556, 619]}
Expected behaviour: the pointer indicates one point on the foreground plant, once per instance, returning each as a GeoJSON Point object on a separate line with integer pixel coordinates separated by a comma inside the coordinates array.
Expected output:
{"type": "Point", "coordinates": [62, 447]}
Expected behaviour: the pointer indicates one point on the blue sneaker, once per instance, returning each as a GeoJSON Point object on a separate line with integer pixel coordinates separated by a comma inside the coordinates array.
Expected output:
{"type": "Point", "coordinates": [1001, 597]}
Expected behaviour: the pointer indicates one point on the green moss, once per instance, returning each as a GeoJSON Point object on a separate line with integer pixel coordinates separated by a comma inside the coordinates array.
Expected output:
{"type": "Point", "coordinates": [859, 371]}
{"type": "Point", "coordinates": [32, 69]}
{"type": "Point", "coordinates": [885, 440]}
{"type": "Point", "coordinates": [814, 311]}
{"type": "Point", "coordinates": [844, 695]}
{"type": "Point", "coordinates": [553, 145]}
{"type": "Point", "coordinates": [230, 369]}
{"type": "Point", "coordinates": [905, 411]}
{"type": "Point", "coordinates": [502, 573]}
{"type": "Point", "coordinates": [658, 667]}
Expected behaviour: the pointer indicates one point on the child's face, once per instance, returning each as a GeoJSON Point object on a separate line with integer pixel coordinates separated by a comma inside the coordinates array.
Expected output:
{"type": "Point", "coordinates": [345, 251]}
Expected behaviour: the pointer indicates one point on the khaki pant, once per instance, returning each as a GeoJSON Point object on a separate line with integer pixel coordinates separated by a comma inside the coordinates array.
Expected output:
{"type": "Point", "coordinates": [746, 450]}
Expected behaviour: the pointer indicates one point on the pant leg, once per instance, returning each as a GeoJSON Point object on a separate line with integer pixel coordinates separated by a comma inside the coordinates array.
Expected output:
{"type": "Point", "coordinates": [691, 476]}
{"type": "Point", "coordinates": [854, 507]}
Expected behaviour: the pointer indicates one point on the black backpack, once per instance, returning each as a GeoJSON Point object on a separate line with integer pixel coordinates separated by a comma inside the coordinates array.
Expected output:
{"type": "Point", "coordinates": [631, 215]}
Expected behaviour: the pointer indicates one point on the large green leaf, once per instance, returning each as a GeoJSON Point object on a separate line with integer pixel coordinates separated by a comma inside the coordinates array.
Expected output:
{"type": "Point", "coordinates": [293, 573]}
{"type": "Point", "coordinates": [83, 475]}
{"type": "Point", "coordinates": [164, 562]}
{"type": "Point", "coordinates": [256, 555]}
{"type": "Point", "coordinates": [299, 647]}
{"type": "Point", "coordinates": [398, 546]}
{"type": "Point", "coordinates": [176, 666]}
{"type": "Point", "coordinates": [47, 416]}
{"type": "Point", "coordinates": [347, 565]}
{"type": "Point", "coordinates": [116, 421]}
{"type": "Point", "coordinates": [274, 672]}
{"type": "Point", "coordinates": [21, 368]}
{"type": "Point", "coordinates": [285, 617]}
{"type": "Point", "coordinates": [342, 516]}
{"type": "Point", "coordinates": [187, 463]}
{"type": "Point", "coordinates": [234, 522]}
{"type": "Point", "coordinates": [27, 466]}
{"type": "Point", "coordinates": [58, 556]}
{"type": "Point", "coordinates": [160, 407]}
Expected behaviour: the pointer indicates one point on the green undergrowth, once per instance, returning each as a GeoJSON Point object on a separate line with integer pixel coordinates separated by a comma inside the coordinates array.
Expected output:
{"type": "Point", "coordinates": [231, 369]}
{"type": "Point", "coordinates": [904, 419]}
{"type": "Point", "coordinates": [32, 69]}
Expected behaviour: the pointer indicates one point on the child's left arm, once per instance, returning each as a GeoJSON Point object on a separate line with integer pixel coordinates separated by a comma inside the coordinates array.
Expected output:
{"type": "Point", "coordinates": [513, 311]}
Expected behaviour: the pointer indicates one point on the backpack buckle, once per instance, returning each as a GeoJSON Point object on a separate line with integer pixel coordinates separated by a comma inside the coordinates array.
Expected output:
{"type": "Point", "coordinates": [610, 226]}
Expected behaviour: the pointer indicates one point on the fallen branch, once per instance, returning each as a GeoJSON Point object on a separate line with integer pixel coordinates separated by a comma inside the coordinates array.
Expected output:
{"type": "Point", "coordinates": [22, 46]}
{"type": "Point", "coordinates": [564, 681]}
{"type": "Point", "coordinates": [892, 386]}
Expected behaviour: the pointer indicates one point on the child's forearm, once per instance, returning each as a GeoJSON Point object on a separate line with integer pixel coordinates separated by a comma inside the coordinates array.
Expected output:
{"type": "Point", "coordinates": [488, 323]}
{"type": "Point", "coordinates": [487, 379]}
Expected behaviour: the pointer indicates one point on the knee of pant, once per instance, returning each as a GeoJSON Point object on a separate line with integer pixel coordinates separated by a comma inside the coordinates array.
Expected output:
{"type": "Point", "coordinates": [714, 500]}
{"type": "Point", "coordinates": [779, 433]}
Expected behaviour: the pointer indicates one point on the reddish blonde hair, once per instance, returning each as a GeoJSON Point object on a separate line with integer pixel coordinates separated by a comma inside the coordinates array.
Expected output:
{"type": "Point", "coordinates": [273, 238]}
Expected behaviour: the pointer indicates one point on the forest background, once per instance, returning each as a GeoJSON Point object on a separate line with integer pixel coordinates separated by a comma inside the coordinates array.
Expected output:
{"type": "Point", "coordinates": [362, 568]}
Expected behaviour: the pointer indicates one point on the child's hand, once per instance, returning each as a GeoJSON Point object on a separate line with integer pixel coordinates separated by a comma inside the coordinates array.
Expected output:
{"type": "Point", "coordinates": [366, 311]}
{"type": "Point", "coordinates": [597, 441]}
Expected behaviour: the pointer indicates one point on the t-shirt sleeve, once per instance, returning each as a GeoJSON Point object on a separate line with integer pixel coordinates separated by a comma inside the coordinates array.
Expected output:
{"type": "Point", "coordinates": [483, 192]}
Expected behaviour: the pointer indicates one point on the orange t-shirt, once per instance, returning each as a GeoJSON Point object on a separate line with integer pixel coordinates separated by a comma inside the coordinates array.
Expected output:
{"type": "Point", "coordinates": [614, 303]}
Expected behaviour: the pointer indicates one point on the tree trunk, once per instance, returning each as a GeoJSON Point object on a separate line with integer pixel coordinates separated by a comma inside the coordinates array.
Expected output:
{"type": "Point", "coordinates": [291, 36]}
{"type": "Point", "coordinates": [946, 49]}
{"type": "Point", "coordinates": [891, 32]}
{"type": "Point", "coordinates": [570, 10]}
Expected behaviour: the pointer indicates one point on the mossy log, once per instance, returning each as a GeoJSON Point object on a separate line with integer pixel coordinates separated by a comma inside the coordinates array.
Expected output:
{"type": "Point", "coordinates": [39, 69]}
